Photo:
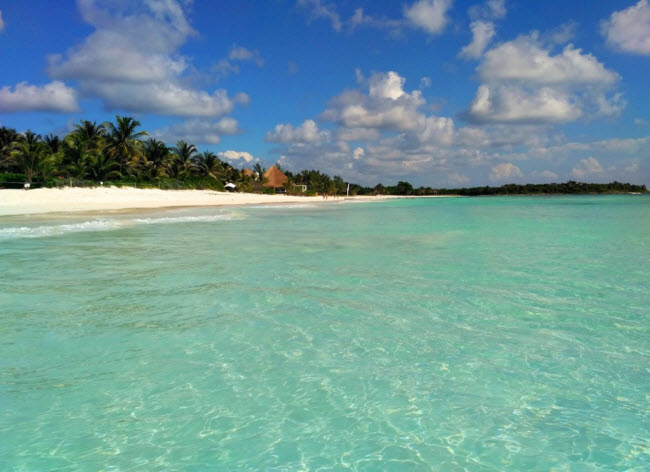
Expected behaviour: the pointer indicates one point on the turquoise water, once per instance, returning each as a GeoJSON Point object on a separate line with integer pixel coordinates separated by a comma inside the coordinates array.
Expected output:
{"type": "Point", "coordinates": [486, 334]}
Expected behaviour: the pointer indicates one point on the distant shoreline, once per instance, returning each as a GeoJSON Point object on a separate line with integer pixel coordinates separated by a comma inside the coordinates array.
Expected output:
{"type": "Point", "coordinates": [75, 199]}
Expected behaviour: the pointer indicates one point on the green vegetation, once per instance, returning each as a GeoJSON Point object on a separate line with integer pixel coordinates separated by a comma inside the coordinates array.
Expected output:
{"type": "Point", "coordinates": [570, 187]}
{"type": "Point", "coordinates": [114, 153]}
{"type": "Point", "coordinates": [120, 154]}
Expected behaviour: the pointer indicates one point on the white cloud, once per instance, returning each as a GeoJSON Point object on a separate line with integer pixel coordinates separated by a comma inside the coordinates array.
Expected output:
{"type": "Point", "coordinates": [387, 85]}
{"type": "Point", "coordinates": [165, 98]}
{"type": "Point", "coordinates": [511, 104]}
{"type": "Point", "coordinates": [629, 29]}
{"type": "Point", "coordinates": [322, 10]}
{"type": "Point", "coordinates": [131, 60]}
{"type": "Point", "coordinates": [588, 167]}
{"type": "Point", "coordinates": [198, 131]}
{"type": "Point", "coordinates": [54, 97]}
{"type": "Point", "coordinates": [525, 83]}
{"type": "Point", "coordinates": [2, 23]}
{"type": "Point", "coordinates": [127, 45]}
{"type": "Point", "coordinates": [359, 18]}
{"type": "Point", "coordinates": [524, 59]}
{"type": "Point", "coordinates": [429, 15]}
{"type": "Point", "coordinates": [387, 124]}
{"type": "Point", "coordinates": [386, 106]}
{"type": "Point", "coordinates": [503, 171]}
{"type": "Point", "coordinates": [236, 156]}
{"type": "Point", "coordinates": [482, 34]}
{"type": "Point", "coordinates": [240, 53]}
{"type": "Point", "coordinates": [357, 134]}
{"type": "Point", "coordinates": [308, 132]}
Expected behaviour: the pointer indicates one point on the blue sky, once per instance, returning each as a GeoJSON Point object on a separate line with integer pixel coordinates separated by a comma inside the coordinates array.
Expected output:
{"type": "Point", "coordinates": [436, 92]}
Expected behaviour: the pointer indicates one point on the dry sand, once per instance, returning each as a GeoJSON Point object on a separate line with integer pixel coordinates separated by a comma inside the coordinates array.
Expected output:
{"type": "Point", "coordinates": [46, 200]}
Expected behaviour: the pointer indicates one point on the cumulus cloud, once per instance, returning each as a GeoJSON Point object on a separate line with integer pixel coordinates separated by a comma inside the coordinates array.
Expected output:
{"type": "Point", "coordinates": [308, 132]}
{"type": "Point", "coordinates": [131, 60]}
{"type": "Point", "coordinates": [589, 167]}
{"type": "Point", "coordinates": [524, 82]}
{"type": "Point", "coordinates": [165, 98]}
{"type": "Point", "coordinates": [383, 130]}
{"type": "Point", "coordinates": [236, 156]}
{"type": "Point", "coordinates": [629, 29]}
{"type": "Point", "coordinates": [198, 131]}
{"type": "Point", "coordinates": [511, 104]}
{"type": "Point", "coordinates": [53, 97]}
{"type": "Point", "coordinates": [503, 171]}
{"type": "Point", "coordinates": [482, 34]}
{"type": "Point", "coordinates": [400, 138]}
{"type": "Point", "coordinates": [525, 59]}
{"type": "Point", "coordinates": [386, 106]}
{"type": "Point", "coordinates": [429, 15]}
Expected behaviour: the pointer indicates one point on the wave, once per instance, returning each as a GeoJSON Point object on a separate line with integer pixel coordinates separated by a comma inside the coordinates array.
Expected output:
{"type": "Point", "coordinates": [283, 206]}
{"type": "Point", "coordinates": [56, 230]}
{"type": "Point", "coordinates": [18, 232]}
{"type": "Point", "coordinates": [186, 219]}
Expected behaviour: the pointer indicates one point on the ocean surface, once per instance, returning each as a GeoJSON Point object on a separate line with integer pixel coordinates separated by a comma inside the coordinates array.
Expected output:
{"type": "Point", "coordinates": [470, 334]}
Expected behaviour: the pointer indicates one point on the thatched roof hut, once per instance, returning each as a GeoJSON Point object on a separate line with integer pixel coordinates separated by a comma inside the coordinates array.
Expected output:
{"type": "Point", "coordinates": [274, 178]}
{"type": "Point", "coordinates": [248, 173]}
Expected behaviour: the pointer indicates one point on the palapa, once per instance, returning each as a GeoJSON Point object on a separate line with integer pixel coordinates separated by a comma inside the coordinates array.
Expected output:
{"type": "Point", "coordinates": [274, 178]}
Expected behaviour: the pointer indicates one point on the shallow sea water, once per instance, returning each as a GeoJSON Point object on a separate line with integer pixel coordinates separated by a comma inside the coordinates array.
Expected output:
{"type": "Point", "coordinates": [483, 334]}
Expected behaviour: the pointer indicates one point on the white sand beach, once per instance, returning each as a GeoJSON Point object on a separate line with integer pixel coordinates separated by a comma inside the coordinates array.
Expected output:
{"type": "Point", "coordinates": [50, 200]}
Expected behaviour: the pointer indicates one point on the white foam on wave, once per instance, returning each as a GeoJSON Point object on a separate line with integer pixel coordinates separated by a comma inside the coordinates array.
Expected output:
{"type": "Point", "coordinates": [55, 230]}
{"type": "Point", "coordinates": [186, 219]}
{"type": "Point", "coordinates": [284, 206]}
{"type": "Point", "coordinates": [17, 232]}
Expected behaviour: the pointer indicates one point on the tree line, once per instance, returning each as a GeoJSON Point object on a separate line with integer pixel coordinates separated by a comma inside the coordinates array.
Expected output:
{"type": "Point", "coordinates": [120, 153]}
{"type": "Point", "coordinates": [116, 153]}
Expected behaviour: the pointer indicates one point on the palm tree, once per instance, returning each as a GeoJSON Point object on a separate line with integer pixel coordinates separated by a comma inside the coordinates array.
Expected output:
{"type": "Point", "coordinates": [90, 132]}
{"type": "Point", "coordinates": [157, 156]}
{"type": "Point", "coordinates": [103, 167]}
{"type": "Point", "coordinates": [182, 163]}
{"type": "Point", "coordinates": [31, 155]}
{"type": "Point", "coordinates": [7, 137]}
{"type": "Point", "coordinates": [209, 165]}
{"type": "Point", "coordinates": [53, 142]}
{"type": "Point", "coordinates": [76, 157]}
{"type": "Point", "coordinates": [123, 142]}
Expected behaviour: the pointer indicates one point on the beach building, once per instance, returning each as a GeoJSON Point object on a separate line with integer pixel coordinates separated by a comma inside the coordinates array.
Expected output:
{"type": "Point", "coordinates": [275, 178]}
{"type": "Point", "coordinates": [250, 173]}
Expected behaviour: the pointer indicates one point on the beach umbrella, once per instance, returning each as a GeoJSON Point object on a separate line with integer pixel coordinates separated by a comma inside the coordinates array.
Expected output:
{"type": "Point", "coordinates": [230, 186]}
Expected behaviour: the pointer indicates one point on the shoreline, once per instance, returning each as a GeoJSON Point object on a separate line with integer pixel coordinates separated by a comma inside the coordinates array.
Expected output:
{"type": "Point", "coordinates": [17, 202]}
